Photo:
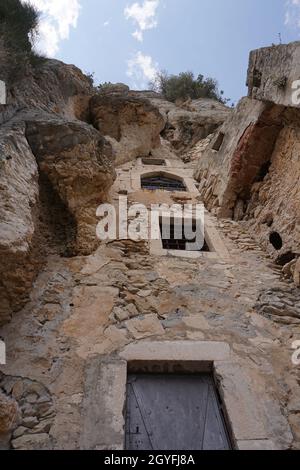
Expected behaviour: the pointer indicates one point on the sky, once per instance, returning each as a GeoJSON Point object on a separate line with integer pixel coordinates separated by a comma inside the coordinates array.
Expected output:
{"type": "Point", "coordinates": [128, 41]}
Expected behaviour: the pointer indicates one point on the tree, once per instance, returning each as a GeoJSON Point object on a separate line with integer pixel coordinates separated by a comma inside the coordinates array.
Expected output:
{"type": "Point", "coordinates": [185, 86]}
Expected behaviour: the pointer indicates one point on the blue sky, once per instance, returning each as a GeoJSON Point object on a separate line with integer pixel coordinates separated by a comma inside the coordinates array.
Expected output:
{"type": "Point", "coordinates": [128, 40]}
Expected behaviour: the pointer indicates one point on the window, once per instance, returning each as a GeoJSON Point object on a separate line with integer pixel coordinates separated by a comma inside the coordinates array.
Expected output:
{"type": "Point", "coordinates": [218, 142]}
{"type": "Point", "coordinates": [154, 161]}
{"type": "Point", "coordinates": [176, 238]}
{"type": "Point", "coordinates": [164, 183]}
{"type": "Point", "coordinates": [188, 405]}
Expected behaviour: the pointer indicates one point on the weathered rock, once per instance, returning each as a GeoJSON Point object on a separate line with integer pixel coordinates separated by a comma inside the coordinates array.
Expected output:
{"type": "Point", "coordinates": [189, 122]}
{"type": "Point", "coordinates": [9, 414]}
{"type": "Point", "coordinates": [133, 125]}
{"type": "Point", "coordinates": [18, 212]}
{"type": "Point", "coordinates": [32, 442]}
{"type": "Point", "coordinates": [271, 73]}
{"type": "Point", "coordinates": [297, 273]}
{"type": "Point", "coordinates": [78, 162]}
{"type": "Point", "coordinates": [54, 87]}
{"type": "Point", "coordinates": [251, 169]}
{"type": "Point", "coordinates": [194, 121]}
{"type": "Point", "coordinates": [145, 327]}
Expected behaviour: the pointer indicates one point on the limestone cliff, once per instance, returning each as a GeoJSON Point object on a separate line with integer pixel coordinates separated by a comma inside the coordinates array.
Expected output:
{"type": "Point", "coordinates": [47, 146]}
{"type": "Point", "coordinates": [250, 170]}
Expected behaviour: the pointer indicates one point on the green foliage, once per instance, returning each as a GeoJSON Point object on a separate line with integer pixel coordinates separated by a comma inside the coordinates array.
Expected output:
{"type": "Point", "coordinates": [91, 78]}
{"type": "Point", "coordinates": [18, 24]}
{"type": "Point", "coordinates": [18, 31]}
{"type": "Point", "coordinates": [185, 86]}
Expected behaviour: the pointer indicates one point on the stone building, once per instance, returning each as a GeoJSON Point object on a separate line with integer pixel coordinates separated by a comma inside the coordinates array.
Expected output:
{"type": "Point", "coordinates": [110, 345]}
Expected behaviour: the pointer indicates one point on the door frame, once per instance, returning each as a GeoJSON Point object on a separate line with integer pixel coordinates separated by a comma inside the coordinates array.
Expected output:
{"type": "Point", "coordinates": [104, 405]}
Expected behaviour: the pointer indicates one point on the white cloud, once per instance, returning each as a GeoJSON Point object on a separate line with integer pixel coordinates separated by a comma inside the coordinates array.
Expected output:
{"type": "Point", "coordinates": [141, 69]}
{"type": "Point", "coordinates": [58, 17]}
{"type": "Point", "coordinates": [292, 16]}
{"type": "Point", "coordinates": [144, 15]}
{"type": "Point", "coordinates": [138, 35]}
{"type": "Point", "coordinates": [105, 24]}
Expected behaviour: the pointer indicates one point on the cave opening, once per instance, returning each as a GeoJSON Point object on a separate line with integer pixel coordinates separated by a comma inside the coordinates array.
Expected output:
{"type": "Point", "coordinates": [276, 241]}
{"type": "Point", "coordinates": [264, 171]}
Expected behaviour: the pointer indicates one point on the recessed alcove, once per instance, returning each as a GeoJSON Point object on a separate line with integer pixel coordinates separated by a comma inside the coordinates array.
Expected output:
{"type": "Point", "coordinates": [276, 241]}
{"type": "Point", "coordinates": [153, 161]}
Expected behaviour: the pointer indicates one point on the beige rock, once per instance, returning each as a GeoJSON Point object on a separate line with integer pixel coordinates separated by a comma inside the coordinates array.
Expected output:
{"type": "Point", "coordinates": [78, 162]}
{"type": "Point", "coordinates": [9, 414]}
{"type": "Point", "coordinates": [297, 273]}
{"type": "Point", "coordinates": [32, 442]}
{"type": "Point", "coordinates": [196, 322]}
{"type": "Point", "coordinates": [132, 124]}
{"type": "Point", "coordinates": [145, 327]}
{"type": "Point", "coordinates": [18, 205]}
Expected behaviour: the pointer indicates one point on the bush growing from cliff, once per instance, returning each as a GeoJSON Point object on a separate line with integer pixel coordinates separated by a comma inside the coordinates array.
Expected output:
{"type": "Point", "coordinates": [185, 86]}
{"type": "Point", "coordinates": [18, 24]}
{"type": "Point", "coordinates": [18, 29]}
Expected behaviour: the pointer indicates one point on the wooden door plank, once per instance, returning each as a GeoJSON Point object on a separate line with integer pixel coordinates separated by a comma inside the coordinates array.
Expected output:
{"type": "Point", "coordinates": [215, 437]}
{"type": "Point", "coordinates": [137, 437]}
{"type": "Point", "coordinates": [171, 412]}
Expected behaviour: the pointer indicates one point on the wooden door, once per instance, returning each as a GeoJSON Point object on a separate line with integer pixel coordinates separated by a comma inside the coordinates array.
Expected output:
{"type": "Point", "coordinates": [174, 412]}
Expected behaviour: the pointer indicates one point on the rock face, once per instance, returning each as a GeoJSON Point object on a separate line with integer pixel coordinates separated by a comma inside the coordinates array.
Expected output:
{"type": "Point", "coordinates": [194, 121]}
{"type": "Point", "coordinates": [238, 153]}
{"type": "Point", "coordinates": [78, 162]}
{"type": "Point", "coordinates": [46, 147]}
{"type": "Point", "coordinates": [18, 213]}
{"type": "Point", "coordinates": [250, 170]}
{"type": "Point", "coordinates": [132, 124]}
{"type": "Point", "coordinates": [189, 122]}
{"type": "Point", "coordinates": [52, 87]}
{"type": "Point", "coordinates": [272, 72]}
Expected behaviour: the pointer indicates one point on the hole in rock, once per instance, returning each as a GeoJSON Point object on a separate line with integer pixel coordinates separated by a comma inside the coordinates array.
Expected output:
{"type": "Point", "coordinates": [264, 170]}
{"type": "Point", "coordinates": [218, 142]}
{"type": "Point", "coordinates": [276, 241]}
{"type": "Point", "coordinates": [286, 258]}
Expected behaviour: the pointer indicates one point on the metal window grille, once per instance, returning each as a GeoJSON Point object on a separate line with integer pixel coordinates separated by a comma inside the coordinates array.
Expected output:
{"type": "Point", "coordinates": [173, 243]}
{"type": "Point", "coordinates": [154, 183]}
